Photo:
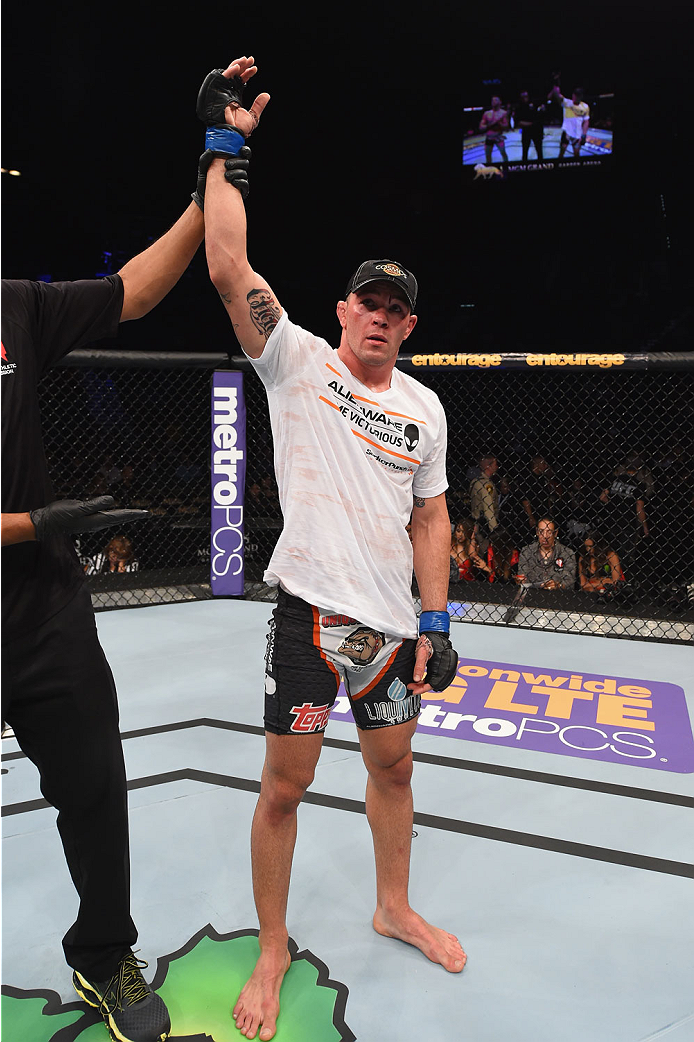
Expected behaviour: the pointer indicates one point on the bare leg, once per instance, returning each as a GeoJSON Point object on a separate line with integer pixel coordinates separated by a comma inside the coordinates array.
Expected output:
{"type": "Point", "coordinates": [389, 809]}
{"type": "Point", "coordinates": [289, 767]}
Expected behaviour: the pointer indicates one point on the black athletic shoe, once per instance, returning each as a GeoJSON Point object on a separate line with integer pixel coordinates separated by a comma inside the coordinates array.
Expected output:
{"type": "Point", "coordinates": [132, 1012]}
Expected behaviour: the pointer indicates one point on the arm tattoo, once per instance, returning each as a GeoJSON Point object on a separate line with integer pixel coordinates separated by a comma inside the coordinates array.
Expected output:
{"type": "Point", "coordinates": [226, 297]}
{"type": "Point", "coordinates": [264, 311]}
{"type": "Point", "coordinates": [418, 501]}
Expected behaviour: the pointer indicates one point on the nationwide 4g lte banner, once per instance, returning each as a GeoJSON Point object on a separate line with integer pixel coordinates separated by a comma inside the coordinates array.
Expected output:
{"type": "Point", "coordinates": [642, 723]}
{"type": "Point", "coordinates": [228, 470]}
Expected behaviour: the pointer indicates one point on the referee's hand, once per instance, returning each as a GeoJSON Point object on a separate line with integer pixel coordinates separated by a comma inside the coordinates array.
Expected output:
{"type": "Point", "coordinates": [69, 516]}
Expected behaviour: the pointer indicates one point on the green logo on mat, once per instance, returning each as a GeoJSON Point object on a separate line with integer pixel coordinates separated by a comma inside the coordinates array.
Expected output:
{"type": "Point", "coordinates": [200, 984]}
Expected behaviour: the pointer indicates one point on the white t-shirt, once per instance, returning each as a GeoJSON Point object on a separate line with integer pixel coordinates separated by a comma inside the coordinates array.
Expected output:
{"type": "Point", "coordinates": [348, 461]}
{"type": "Point", "coordinates": [574, 116]}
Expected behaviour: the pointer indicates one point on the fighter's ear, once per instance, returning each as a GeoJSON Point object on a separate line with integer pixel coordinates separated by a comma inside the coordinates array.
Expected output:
{"type": "Point", "coordinates": [411, 323]}
{"type": "Point", "coordinates": [341, 310]}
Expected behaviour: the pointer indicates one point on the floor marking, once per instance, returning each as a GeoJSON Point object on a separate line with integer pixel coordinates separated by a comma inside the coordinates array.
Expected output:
{"type": "Point", "coordinates": [586, 784]}
{"type": "Point", "coordinates": [668, 1028]}
{"type": "Point", "coordinates": [468, 828]}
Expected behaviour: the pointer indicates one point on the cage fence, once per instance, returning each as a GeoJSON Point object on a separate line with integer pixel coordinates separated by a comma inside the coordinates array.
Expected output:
{"type": "Point", "coordinates": [571, 484]}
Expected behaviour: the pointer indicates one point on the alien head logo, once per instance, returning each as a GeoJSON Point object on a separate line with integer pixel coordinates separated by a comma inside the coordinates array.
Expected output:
{"type": "Point", "coordinates": [411, 435]}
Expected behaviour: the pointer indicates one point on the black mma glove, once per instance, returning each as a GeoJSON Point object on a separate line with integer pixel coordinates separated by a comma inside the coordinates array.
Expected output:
{"type": "Point", "coordinates": [74, 515]}
{"type": "Point", "coordinates": [216, 94]}
{"type": "Point", "coordinates": [222, 141]}
{"type": "Point", "coordinates": [442, 666]}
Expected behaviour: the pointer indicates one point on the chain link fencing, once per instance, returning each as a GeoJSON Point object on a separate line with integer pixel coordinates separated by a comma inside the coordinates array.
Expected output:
{"type": "Point", "coordinates": [571, 483]}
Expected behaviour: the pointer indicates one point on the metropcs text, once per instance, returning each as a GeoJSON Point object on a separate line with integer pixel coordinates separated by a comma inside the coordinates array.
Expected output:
{"type": "Point", "coordinates": [541, 704]}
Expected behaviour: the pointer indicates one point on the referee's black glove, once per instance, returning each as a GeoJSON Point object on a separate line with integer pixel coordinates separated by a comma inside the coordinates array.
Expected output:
{"type": "Point", "coordinates": [73, 515]}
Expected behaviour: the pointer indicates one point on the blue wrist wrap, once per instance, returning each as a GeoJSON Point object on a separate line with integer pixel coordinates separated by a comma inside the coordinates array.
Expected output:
{"type": "Point", "coordinates": [434, 622]}
{"type": "Point", "coordinates": [224, 139]}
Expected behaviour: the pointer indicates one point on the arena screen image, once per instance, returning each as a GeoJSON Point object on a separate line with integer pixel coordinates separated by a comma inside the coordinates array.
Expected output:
{"type": "Point", "coordinates": [523, 127]}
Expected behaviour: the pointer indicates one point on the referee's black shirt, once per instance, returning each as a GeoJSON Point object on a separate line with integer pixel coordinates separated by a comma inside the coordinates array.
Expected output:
{"type": "Point", "coordinates": [41, 323]}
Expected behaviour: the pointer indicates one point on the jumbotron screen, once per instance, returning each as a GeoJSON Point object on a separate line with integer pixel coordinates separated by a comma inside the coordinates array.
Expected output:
{"type": "Point", "coordinates": [522, 129]}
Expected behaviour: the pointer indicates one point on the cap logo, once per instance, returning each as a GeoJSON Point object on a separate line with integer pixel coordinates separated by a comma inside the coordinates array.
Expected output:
{"type": "Point", "coordinates": [390, 269]}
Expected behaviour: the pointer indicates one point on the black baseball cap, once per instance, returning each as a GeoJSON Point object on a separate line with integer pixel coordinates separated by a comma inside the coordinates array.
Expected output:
{"type": "Point", "coordinates": [384, 271]}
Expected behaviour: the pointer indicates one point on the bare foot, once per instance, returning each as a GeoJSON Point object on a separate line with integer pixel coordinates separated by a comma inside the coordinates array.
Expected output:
{"type": "Point", "coordinates": [258, 1004]}
{"type": "Point", "coordinates": [436, 944]}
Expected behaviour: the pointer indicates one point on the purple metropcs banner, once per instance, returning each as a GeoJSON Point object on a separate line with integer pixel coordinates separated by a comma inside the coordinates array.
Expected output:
{"type": "Point", "coordinates": [642, 723]}
{"type": "Point", "coordinates": [228, 459]}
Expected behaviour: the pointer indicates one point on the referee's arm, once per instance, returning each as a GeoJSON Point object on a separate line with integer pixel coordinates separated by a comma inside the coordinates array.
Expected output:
{"type": "Point", "coordinates": [17, 528]}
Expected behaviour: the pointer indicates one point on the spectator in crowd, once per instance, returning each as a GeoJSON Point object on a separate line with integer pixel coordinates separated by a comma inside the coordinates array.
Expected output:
{"type": "Point", "coordinates": [466, 560]}
{"type": "Point", "coordinates": [623, 519]}
{"type": "Point", "coordinates": [504, 554]}
{"type": "Point", "coordinates": [117, 556]}
{"type": "Point", "coordinates": [484, 501]}
{"type": "Point", "coordinates": [598, 565]}
{"type": "Point", "coordinates": [528, 117]}
{"type": "Point", "coordinates": [546, 563]}
{"type": "Point", "coordinates": [493, 124]}
{"type": "Point", "coordinates": [540, 490]}
{"type": "Point", "coordinates": [86, 562]}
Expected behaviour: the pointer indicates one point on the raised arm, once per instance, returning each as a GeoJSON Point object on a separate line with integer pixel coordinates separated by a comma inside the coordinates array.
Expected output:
{"type": "Point", "coordinates": [250, 303]}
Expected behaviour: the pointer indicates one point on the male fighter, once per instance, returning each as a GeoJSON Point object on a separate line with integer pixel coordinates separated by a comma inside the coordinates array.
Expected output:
{"type": "Point", "coordinates": [355, 442]}
{"type": "Point", "coordinates": [57, 689]}
{"type": "Point", "coordinates": [493, 124]}
{"type": "Point", "coordinates": [576, 121]}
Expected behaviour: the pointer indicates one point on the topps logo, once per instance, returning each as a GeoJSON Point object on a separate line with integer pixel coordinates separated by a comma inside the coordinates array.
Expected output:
{"type": "Point", "coordinates": [227, 462]}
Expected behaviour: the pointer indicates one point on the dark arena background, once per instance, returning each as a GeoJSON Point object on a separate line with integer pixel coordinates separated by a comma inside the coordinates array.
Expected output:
{"type": "Point", "coordinates": [555, 323]}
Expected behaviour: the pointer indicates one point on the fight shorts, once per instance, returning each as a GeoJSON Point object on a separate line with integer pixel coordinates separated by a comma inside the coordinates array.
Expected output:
{"type": "Point", "coordinates": [309, 651]}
